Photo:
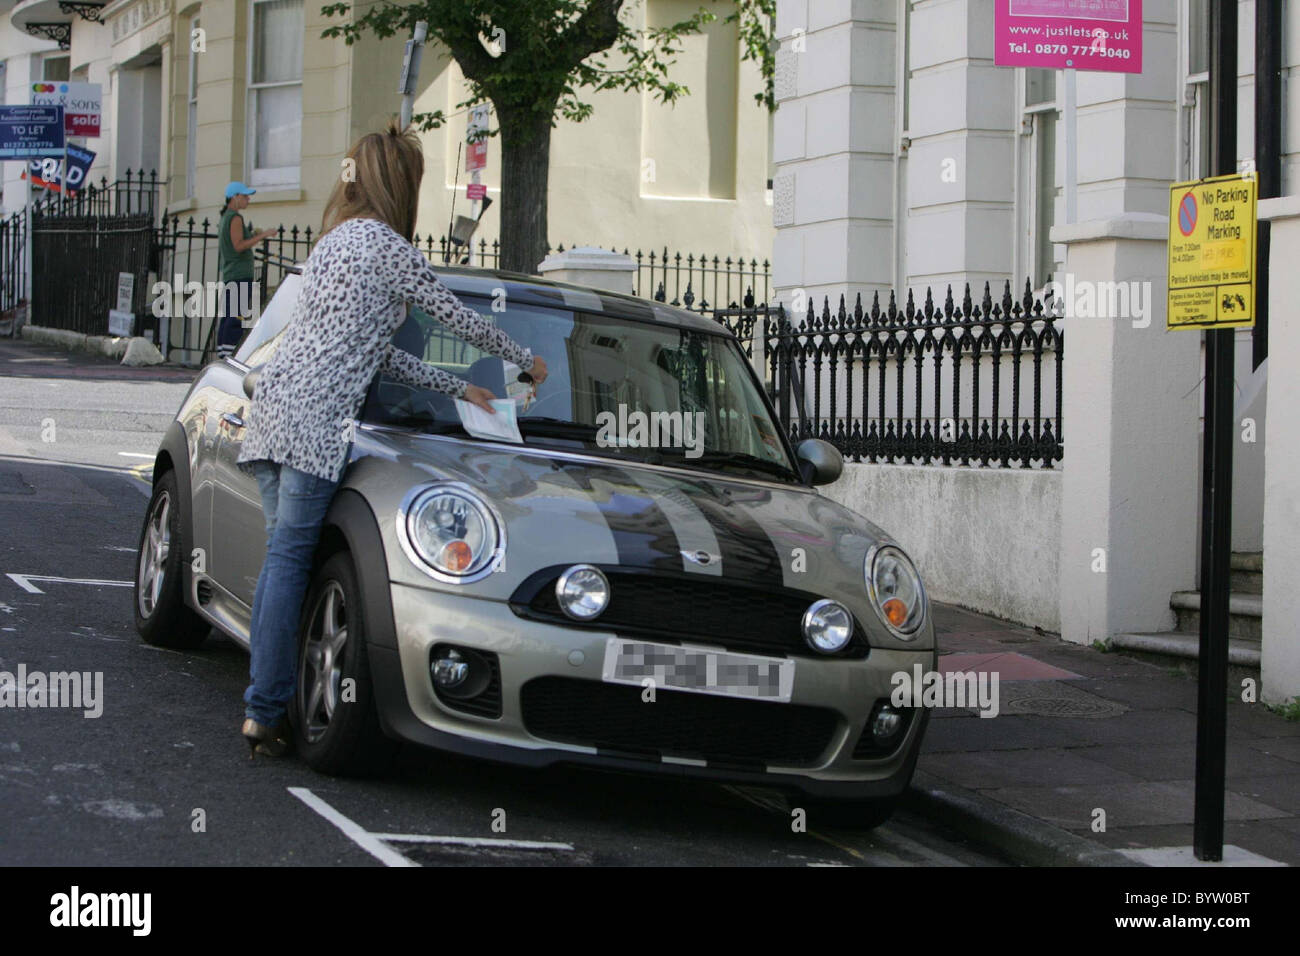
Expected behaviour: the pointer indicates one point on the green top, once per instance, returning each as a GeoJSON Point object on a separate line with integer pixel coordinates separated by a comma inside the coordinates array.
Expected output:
{"type": "Point", "coordinates": [232, 265]}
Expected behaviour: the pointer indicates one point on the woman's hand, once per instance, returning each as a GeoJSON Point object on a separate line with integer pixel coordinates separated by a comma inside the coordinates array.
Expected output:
{"type": "Point", "coordinates": [538, 371]}
{"type": "Point", "coordinates": [482, 397]}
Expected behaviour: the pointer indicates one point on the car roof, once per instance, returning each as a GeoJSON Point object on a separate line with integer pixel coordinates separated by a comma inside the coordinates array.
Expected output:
{"type": "Point", "coordinates": [534, 290]}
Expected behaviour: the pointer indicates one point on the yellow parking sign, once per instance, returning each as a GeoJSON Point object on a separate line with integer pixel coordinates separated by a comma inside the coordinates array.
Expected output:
{"type": "Point", "coordinates": [1212, 253]}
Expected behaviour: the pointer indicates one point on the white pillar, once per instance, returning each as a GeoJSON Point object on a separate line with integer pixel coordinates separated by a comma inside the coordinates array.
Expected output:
{"type": "Point", "coordinates": [598, 268]}
{"type": "Point", "coordinates": [962, 124]}
{"type": "Point", "coordinates": [1280, 660]}
{"type": "Point", "coordinates": [833, 145]}
{"type": "Point", "coordinates": [1130, 426]}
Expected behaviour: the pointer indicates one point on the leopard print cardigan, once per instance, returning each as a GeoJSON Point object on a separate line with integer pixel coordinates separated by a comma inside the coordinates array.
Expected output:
{"type": "Point", "coordinates": [355, 285]}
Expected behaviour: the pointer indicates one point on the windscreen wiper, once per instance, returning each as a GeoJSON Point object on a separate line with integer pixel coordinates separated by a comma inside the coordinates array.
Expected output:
{"type": "Point", "coordinates": [433, 426]}
{"type": "Point", "coordinates": [555, 428]}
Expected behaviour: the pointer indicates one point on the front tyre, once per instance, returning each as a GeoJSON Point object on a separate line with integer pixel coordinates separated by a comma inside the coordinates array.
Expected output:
{"type": "Point", "coordinates": [161, 616]}
{"type": "Point", "coordinates": [335, 718]}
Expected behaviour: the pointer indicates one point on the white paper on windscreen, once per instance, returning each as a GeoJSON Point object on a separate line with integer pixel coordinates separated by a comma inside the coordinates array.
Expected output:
{"type": "Point", "coordinates": [503, 426]}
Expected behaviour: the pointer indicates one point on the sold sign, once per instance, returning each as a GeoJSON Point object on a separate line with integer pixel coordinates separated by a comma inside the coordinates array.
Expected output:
{"type": "Point", "coordinates": [82, 104]}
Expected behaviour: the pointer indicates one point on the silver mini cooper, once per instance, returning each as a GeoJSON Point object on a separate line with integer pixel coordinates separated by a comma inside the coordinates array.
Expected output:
{"type": "Point", "coordinates": [643, 579]}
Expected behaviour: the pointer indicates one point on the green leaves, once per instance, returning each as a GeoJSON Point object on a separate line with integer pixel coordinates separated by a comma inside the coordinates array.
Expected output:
{"type": "Point", "coordinates": [552, 51]}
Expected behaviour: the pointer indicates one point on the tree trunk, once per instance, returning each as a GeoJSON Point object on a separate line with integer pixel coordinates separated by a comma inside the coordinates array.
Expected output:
{"type": "Point", "coordinates": [525, 175]}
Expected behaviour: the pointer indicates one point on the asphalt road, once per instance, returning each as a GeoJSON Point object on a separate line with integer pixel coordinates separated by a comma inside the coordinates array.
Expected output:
{"type": "Point", "coordinates": [162, 775]}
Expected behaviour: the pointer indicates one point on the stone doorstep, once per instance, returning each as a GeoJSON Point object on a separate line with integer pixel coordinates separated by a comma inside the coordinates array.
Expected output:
{"type": "Point", "coordinates": [1245, 614]}
{"type": "Point", "coordinates": [1187, 645]}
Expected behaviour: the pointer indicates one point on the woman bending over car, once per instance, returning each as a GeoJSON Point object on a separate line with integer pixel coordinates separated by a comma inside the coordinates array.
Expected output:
{"type": "Point", "coordinates": [355, 288]}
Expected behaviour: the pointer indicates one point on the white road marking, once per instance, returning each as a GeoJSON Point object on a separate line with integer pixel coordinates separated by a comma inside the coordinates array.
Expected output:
{"type": "Point", "coordinates": [353, 830]}
{"type": "Point", "coordinates": [24, 581]}
{"type": "Point", "coordinates": [136, 454]}
{"type": "Point", "coordinates": [472, 841]}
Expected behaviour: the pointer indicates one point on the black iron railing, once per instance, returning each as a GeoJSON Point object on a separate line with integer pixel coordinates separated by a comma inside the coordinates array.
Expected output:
{"type": "Point", "coordinates": [962, 383]}
{"type": "Point", "coordinates": [13, 261]}
{"type": "Point", "coordinates": [698, 283]}
{"type": "Point", "coordinates": [134, 194]}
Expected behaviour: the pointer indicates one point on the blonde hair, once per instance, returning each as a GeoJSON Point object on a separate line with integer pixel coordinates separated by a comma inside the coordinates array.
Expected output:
{"type": "Point", "coordinates": [384, 184]}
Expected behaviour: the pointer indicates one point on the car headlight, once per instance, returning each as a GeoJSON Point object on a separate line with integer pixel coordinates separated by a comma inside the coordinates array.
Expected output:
{"type": "Point", "coordinates": [827, 626]}
{"type": "Point", "coordinates": [895, 590]}
{"type": "Point", "coordinates": [582, 592]}
{"type": "Point", "coordinates": [449, 532]}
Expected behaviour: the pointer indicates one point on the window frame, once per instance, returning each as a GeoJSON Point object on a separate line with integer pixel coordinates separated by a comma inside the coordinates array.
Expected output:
{"type": "Point", "coordinates": [192, 113]}
{"type": "Point", "coordinates": [51, 57]}
{"type": "Point", "coordinates": [1032, 124]}
{"type": "Point", "coordinates": [277, 176]}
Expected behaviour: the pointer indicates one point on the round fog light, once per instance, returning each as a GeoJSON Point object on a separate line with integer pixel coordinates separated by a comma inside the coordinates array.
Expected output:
{"type": "Point", "coordinates": [582, 592]}
{"type": "Point", "coordinates": [827, 626]}
{"type": "Point", "coordinates": [458, 672]}
{"type": "Point", "coordinates": [886, 723]}
{"type": "Point", "coordinates": [450, 669]}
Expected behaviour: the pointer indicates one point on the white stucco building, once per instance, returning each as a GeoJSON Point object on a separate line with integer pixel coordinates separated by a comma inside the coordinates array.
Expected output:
{"type": "Point", "coordinates": [906, 158]}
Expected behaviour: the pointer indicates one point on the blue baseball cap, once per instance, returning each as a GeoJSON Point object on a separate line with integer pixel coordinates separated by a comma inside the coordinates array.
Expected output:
{"type": "Point", "coordinates": [239, 189]}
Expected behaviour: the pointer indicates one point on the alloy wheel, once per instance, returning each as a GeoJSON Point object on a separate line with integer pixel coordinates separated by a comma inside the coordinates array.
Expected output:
{"type": "Point", "coordinates": [322, 661]}
{"type": "Point", "coordinates": [154, 551]}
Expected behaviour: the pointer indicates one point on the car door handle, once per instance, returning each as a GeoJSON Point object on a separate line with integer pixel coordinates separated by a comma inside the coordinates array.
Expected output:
{"type": "Point", "coordinates": [233, 420]}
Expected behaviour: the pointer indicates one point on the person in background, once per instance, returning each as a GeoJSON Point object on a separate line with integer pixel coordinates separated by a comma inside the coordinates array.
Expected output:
{"type": "Point", "coordinates": [235, 244]}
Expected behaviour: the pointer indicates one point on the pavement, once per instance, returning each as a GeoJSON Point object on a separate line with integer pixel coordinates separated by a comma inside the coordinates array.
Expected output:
{"type": "Point", "coordinates": [1092, 756]}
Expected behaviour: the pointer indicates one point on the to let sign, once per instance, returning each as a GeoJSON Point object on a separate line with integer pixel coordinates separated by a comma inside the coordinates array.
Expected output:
{"type": "Point", "coordinates": [31, 132]}
{"type": "Point", "coordinates": [1069, 34]}
{"type": "Point", "coordinates": [82, 104]}
{"type": "Point", "coordinates": [1212, 253]}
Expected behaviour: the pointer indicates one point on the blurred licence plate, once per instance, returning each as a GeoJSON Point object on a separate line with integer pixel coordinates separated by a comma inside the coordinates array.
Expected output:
{"type": "Point", "coordinates": [698, 670]}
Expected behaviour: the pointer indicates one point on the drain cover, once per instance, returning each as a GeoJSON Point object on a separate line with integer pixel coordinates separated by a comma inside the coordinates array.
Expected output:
{"type": "Point", "coordinates": [1054, 699]}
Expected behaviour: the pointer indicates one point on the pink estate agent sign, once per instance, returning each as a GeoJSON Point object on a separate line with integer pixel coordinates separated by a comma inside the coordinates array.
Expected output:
{"type": "Point", "coordinates": [1069, 34]}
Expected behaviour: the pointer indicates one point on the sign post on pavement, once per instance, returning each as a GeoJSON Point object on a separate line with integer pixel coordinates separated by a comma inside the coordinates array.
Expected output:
{"type": "Point", "coordinates": [476, 150]}
{"type": "Point", "coordinates": [406, 83]}
{"type": "Point", "coordinates": [69, 180]}
{"type": "Point", "coordinates": [82, 104]}
{"type": "Point", "coordinates": [1069, 35]}
{"type": "Point", "coordinates": [30, 132]}
{"type": "Point", "coordinates": [1212, 228]}
{"type": "Point", "coordinates": [1208, 238]}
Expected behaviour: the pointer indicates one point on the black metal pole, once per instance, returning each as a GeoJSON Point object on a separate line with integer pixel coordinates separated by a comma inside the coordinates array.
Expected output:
{"type": "Point", "coordinates": [1268, 151]}
{"type": "Point", "coordinates": [1216, 487]}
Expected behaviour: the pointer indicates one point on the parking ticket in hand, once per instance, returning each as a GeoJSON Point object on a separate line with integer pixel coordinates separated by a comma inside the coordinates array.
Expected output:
{"type": "Point", "coordinates": [503, 426]}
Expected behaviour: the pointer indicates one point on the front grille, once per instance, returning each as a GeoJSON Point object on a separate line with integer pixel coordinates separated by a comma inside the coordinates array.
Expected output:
{"type": "Point", "coordinates": [680, 607]}
{"type": "Point", "coordinates": [721, 730]}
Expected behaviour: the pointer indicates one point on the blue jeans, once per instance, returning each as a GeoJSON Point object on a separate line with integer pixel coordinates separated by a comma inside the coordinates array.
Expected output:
{"type": "Point", "coordinates": [294, 504]}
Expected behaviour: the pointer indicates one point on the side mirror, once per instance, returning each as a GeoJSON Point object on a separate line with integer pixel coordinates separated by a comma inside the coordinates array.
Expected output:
{"type": "Point", "coordinates": [820, 462]}
{"type": "Point", "coordinates": [250, 380]}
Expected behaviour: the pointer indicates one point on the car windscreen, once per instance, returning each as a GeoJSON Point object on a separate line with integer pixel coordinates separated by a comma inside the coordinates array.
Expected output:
{"type": "Point", "coordinates": [617, 387]}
